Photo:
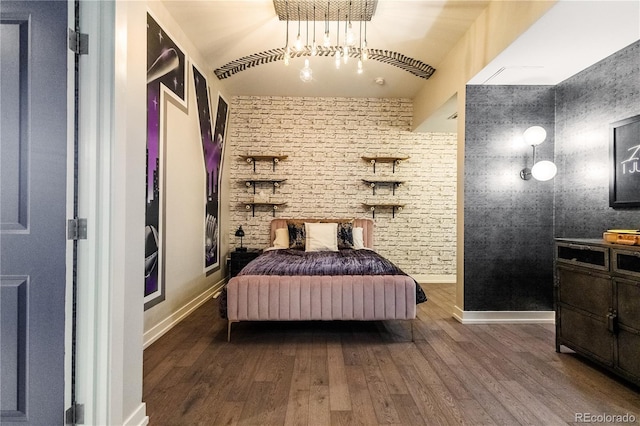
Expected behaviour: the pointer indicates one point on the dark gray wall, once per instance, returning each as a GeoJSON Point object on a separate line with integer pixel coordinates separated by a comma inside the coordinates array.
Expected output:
{"type": "Point", "coordinates": [508, 222]}
{"type": "Point", "coordinates": [586, 104]}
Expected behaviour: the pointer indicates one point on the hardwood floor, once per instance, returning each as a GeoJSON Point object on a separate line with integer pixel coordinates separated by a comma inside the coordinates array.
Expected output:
{"type": "Point", "coordinates": [350, 373]}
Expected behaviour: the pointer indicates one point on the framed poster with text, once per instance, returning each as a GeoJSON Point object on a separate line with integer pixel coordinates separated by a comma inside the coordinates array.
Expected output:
{"type": "Point", "coordinates": [624, 184]}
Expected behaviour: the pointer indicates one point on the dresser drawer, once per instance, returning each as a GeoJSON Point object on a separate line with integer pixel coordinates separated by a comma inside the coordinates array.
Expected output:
{"type": "Point", "coordinates": [626, 262]}
{"type": "Point", "coordinates": [584, 333]}
{"type": "Point", "coordinates": [585, 255]}
{"type": "Point", "coordinates": [587, 290]}
{"type": "Point", "coordinates": [628, 353]}
{"type": "Point", "coordinates": [629, 304]}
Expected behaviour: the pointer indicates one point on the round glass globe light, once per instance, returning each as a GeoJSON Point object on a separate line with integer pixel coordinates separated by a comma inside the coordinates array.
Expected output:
{"type": "Point", "coordinates": [544, 170]}
{"type": "Point", "coordinates": [534, 135]}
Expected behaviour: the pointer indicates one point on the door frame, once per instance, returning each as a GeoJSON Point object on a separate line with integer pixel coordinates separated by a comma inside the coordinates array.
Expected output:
{"type": "Point", "coordinates": [111, 153]}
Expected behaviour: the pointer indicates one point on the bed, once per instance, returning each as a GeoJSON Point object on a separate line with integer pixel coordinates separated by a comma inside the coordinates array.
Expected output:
{"type": "Point", "coordinates": [321, 270]}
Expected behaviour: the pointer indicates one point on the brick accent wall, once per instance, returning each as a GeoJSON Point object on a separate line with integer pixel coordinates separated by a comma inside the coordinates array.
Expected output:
{"type": "Point", "coordinates": [325, 139]}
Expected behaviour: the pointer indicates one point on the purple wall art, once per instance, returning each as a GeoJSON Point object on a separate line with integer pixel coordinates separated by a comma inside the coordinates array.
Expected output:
{"type": "Point", "coordinates": [166, 74]}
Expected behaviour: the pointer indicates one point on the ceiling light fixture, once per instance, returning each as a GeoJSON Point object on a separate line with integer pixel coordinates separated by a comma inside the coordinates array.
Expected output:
{"type": "Point", "coordinates": [314, 46]}
{"type": "Point", "coordinates": [363, 47]}
{"type": "Point", "coordinates": [345, 48]}
{"type": "Point", "coordinates": [334, 10]}
{"type": "Point", "coordinates": [338, 53]}
{"type": "Point", "coordinates": [298, 38]}
{"type": "Point", "coordinates": [327, 39]}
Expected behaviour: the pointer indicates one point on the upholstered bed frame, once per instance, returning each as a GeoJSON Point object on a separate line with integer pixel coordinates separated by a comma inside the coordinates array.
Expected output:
{"type": "Point", "coordinates": [326, 298]}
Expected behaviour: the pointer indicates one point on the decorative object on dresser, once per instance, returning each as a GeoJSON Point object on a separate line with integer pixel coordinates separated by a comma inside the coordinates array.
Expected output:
{"type": "Point", "coordinates": [240, 233]}
{"type": "Point", "coordinates": [597, 303]}
{"type": "Point", "coordinates": [628, 237]}
{"type": "Point", "coordinates": [240, 259]}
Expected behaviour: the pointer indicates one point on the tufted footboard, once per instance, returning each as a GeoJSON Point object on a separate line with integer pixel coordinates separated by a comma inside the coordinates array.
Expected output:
{"type": "Point", "coordinates": [326, 298]}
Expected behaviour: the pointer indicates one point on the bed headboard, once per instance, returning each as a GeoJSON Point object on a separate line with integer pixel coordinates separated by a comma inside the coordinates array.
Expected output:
{"type": "Point", "coordinates": [365, 224]}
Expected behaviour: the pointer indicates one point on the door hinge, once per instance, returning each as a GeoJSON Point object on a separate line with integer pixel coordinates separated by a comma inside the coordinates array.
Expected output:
{"type": "Point", "coordinates": [78, 42]}
{"type": "Point", "coordinates": [77, 229]}
{"type": "Point", "coordinates": [74, 415]}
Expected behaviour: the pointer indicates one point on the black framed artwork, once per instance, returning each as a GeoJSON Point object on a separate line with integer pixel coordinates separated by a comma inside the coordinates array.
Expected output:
{"type": "Point", "coordinates": [624, 157]}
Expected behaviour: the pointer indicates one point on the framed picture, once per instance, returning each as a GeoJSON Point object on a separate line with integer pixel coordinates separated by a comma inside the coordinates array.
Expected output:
{"type": "Point", "coordinates": [624, 153]}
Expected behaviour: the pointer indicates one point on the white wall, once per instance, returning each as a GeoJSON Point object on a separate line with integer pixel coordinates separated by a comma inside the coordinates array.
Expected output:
{"type": "Point", "coordinates": [184, 196]}
{"type": "Point", "coordinates": [325, 139]}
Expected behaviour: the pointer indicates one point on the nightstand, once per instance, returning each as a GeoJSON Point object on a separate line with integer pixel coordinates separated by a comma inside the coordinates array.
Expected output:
{"type": "Point", "coordinates": [240, 259]}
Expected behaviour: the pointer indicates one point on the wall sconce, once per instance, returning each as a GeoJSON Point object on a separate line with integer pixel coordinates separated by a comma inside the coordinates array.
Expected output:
{"type": "Point", "coordinates": [541, 170]}
{"type": "Point", "coordinates": [240, 233]}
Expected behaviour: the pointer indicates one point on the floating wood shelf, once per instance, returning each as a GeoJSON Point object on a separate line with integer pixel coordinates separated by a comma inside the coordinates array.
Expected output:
{"type": "Point", "coordinates": [393, 206]}
{"type": "Point", "coordinates": [393, 160]}
{"type": "Point", "coordinates": [274, 206]}
{"type": "Point", "coordinates": [275, 159]}
{"type": "Point", "coordinates": [373, 183]}
{"type": "Point", "coordinates": [275, 182]}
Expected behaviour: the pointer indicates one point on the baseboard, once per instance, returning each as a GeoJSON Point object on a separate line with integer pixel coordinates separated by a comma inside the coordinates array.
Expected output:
{"type": "Point", "coordinates": [435, 279]}
{"type": "Point", "coordinates": [138, 417]}
{"type": "Point", "coordinates": [505, 317]}
{"type": "Point", "coordinates": [168, 323]}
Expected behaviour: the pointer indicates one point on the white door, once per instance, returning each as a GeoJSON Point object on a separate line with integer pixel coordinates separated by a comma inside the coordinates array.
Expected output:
{"type": "Point", "coordinates": [33, 176]}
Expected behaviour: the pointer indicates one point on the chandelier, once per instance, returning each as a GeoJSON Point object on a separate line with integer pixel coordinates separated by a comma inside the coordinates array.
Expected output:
{"type": "Point", "coordinates": [344, 36]}
{"type": "Point", "coordinates": [345, 11]}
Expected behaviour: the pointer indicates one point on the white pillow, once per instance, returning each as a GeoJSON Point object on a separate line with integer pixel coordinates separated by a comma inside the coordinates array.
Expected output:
{"type": "Point", "coordinates": [282, 238]}
{"type": "Point", "coordinates": [358, 238]}
{"type": "Point", "coordinates": [321, 236]}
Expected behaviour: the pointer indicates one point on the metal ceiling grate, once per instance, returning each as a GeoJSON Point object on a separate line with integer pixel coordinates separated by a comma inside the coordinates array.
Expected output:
{"type": "Point", "coordinates": [355, 10]}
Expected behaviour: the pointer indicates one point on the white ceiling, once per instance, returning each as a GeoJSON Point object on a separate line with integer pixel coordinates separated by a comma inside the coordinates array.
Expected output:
{"type": "Point", "coordinates": [227, 30]}
{"type": "Point", "coordinates": [570, 37]}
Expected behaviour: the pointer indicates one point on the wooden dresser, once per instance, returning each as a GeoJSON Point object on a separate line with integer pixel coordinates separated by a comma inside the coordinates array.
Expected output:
{"type": "Point", "coordinates": [597, 303]}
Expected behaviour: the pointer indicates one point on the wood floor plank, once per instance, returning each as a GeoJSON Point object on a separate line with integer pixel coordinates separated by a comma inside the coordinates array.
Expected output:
{"type": "Point", "coordinates": [383, 405]}
{"type": "Point", "coordinates": [339, 399]}
{"type": "Point", "coordinates": [343, 418]}
{"type": "Point", "coordinates": [474, 413]}
{"type": "Point", "coordinates": [389, 370]}
{"type": "Point", "coordinates": [540, 410]}
{"type": "Point", "coordinates": [407, 410]}
{"type": "Point", "coordinates": [228, 413]}
{"type": "Point", "coordinates": [444, 367]}
{"type": "Point", "coordinates": [257, 409]}
{"type": "Point", "coordinates": [424, 396]}
{"type": "Point", "coordinates": [319, 410]}
{"type": "Point", "coordinates": [370, 373]}
{"type": "Point", "coordinates": [297, 408]}
{"type": "Point", "coordinates": [361, 404]}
